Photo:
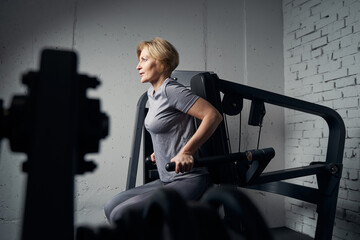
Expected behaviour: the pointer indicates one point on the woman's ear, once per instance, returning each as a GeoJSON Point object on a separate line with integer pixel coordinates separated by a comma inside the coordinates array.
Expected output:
{"type": "Point", "coordinates": [161, 66]}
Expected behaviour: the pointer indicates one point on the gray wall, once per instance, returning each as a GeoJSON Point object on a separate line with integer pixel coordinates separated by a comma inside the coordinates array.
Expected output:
{"type": "Point", "coordinates": [239, 40]}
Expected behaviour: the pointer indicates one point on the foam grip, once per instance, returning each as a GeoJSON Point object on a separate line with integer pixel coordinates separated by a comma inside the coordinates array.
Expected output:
{"type": "Point", "coordinates": [148, 161]}
{"type": "Point", "coordinates": [259, 154]}
{"type": "Point", "coordinates": [170, 166]}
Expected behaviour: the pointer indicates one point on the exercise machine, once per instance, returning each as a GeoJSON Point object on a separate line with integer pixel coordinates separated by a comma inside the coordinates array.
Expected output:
{"type": "Point", "coordinates": [235, 168]}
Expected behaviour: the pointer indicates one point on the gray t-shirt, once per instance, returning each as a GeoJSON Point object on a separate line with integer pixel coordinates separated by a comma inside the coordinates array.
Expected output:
{"type": "Point", "coordinates": [170, 126]}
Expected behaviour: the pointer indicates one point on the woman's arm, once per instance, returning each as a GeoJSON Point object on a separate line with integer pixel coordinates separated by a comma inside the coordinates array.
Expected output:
{"type": "Point", "coordinates": [210, 119]}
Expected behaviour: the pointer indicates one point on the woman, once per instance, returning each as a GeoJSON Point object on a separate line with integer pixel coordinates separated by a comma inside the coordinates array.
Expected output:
{"type": "Point", "coordinates": [170, 123]}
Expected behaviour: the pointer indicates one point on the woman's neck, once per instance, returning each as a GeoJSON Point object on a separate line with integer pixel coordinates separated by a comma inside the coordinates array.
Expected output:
{"type": "Point", "coordinates": [158, 83]}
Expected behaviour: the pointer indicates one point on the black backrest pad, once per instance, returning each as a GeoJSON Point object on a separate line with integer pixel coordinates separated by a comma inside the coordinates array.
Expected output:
{"type": "Point", "coordinates": [205, 86]}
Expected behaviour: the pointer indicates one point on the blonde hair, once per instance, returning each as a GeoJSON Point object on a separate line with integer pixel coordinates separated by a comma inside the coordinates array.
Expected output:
{"type": "Point", "coordinates": [162, 51]}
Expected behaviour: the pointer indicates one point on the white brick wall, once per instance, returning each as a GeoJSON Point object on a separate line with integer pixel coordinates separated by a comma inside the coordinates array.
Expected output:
{"type": "Point", "coordinates": [322, 65]}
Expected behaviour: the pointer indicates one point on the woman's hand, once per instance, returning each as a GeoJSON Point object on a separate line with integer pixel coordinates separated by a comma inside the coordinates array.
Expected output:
{"type": "Point", "coordinates": [184, 162]}
{"type": "Point", "coordinates": [152, 156]}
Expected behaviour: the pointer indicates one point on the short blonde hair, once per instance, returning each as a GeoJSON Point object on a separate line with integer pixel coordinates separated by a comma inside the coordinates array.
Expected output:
{"type": "Point", "coordinates": [162, 51]}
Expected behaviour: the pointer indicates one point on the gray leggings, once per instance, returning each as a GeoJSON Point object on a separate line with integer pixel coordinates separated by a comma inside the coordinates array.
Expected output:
{"type": "Point", "coordinates": [189, 188]}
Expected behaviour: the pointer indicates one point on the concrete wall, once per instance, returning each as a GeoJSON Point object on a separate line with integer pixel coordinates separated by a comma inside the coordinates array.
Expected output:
{"type": "Point", "coordinates": [239, 40]}
{"type": "Point", "coordinates": [322, 65]}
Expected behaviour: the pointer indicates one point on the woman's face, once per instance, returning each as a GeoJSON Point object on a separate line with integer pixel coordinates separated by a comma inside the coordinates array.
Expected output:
{"type": "Point", "coordinates": [149, 69]}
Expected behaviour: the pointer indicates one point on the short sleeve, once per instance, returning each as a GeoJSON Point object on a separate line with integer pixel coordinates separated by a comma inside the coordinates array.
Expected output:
{"type": "Point", "coordinates": [179, 96]}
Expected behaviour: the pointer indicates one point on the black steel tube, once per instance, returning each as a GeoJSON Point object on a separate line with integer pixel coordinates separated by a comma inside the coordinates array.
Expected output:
{"type": "Point", "coordinates": [232, 157]}
{"type": "Point", "coordinates": [335, 123]}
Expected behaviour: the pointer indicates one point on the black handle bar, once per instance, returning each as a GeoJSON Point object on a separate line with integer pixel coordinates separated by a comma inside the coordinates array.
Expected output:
{"type": "Point", "coordinates": [249, 155]}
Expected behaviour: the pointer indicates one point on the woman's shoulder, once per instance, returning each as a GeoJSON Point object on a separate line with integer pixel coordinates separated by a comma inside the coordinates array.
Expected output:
{"type": "Point", "coordinates": [172, 85]}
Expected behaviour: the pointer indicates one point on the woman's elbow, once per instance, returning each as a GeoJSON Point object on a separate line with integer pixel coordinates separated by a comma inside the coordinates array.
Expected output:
{"type": "Point", "coordinates": [218, 117]}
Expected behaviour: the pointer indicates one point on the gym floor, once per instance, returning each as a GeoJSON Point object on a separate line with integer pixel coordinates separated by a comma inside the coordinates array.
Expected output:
{"type": "Point", "coordinates": [284, 233]}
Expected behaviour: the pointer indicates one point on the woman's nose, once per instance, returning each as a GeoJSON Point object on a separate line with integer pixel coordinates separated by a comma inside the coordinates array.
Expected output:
{"type": "Point", "coordinates": [138, 67]}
